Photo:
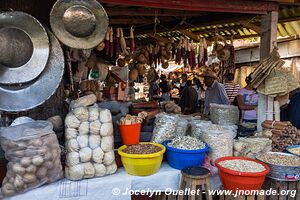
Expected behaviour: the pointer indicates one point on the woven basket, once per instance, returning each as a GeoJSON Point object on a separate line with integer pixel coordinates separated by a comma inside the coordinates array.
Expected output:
{"type": "Point", "coordinates": [276, 82]}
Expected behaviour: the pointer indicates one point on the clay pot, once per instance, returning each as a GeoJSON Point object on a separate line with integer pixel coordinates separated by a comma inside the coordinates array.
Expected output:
{"type": "Point", "coordinates": [169, 47]}
{"type": "Point", "coordinates": [133, 74]}
{"type": "Point", "coordinates": [165, 65]}
{"type": "Point", "coordinates": [142, 59]}
{"type": "Point", "coordinates": [127, 58]}
{"type": "Point", "coordinates": [121, 62]}
{"type": "Point", "coordinates": [100, 46]}
{"type": "Point", "coordinates": [223, 54]}
{"type": "Point", "coordinates": [141, 68]}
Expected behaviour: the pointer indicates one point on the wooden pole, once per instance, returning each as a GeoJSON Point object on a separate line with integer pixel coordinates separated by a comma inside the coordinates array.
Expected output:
{"type": "Point", "coordinates": [268, 41]}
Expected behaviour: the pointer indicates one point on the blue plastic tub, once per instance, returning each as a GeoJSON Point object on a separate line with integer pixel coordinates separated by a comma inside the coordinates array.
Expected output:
{"type": "Point", "coordinates": [179, 158]}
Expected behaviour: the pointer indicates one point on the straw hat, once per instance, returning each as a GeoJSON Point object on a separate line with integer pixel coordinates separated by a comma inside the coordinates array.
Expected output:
{"type": "Point", "coordinates": [80, 24]}
{"type": "Point", "coordinates": [36, 92]}
{"type": "Point", "coordinates": [210, 74]}
{"type": "Point", "coordinates": [24, 48]}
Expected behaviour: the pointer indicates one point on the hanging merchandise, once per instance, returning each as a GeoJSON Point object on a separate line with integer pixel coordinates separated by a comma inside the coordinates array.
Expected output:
{"type": "Point", "coordinates": [263, 70]}
{"type": "Point", "coordinates": [100, 46]}
{"type": "Point", "coordinates": [132, 46]}
{"type": "Point", "coordinates": [107, 35]}
{"type": "Point", "coordinates": [117, 47]}
{"type": "Point", "coordinates": [189, 54]}
{"type": "Point", "coordinates": [184, 51]}
{"type": "Point", "coordinates": [38, 91]}
{"type": "Point", "coordinates": [151, 59]}
{"type": "Point", "coordinates": [123, 43]}
{"type": "Point", "coordinates": [79, 24]}
{"type": "Point", "coordinates": [22, 33]}
{"type": "Point", "coordinates": [178, 53]}
{"type": "Point", "coordinates": [156, 56]}
{"type": "Point", "coordinates": [203, 56]}
{"type": "Point", "coordinates": [193, 56]}
{"type": "Point", "coordinates": [173, 49]}
{"type": "Point", "coordinates": [111, 42]}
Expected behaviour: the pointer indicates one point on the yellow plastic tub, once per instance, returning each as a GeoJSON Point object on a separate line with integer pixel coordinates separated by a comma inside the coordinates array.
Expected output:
{"type": "Point", "coordinates": [142, 164]}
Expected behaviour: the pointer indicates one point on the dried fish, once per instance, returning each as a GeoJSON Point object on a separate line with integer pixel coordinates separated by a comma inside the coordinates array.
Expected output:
{"type": "Point", "coordinates": [279, 159]}
{"type": "Point", "coordinates": [242, 165]}
{"type": "Point", "coordinates": [295, 150]}
{"type": "Point", "coordinates": [186, 143]}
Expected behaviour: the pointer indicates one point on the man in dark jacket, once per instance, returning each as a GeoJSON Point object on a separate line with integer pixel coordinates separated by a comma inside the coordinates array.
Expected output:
{"type": "Point", "coordinates": [189, 99]}
{"type": "Point", "coordinates": [291, 112]}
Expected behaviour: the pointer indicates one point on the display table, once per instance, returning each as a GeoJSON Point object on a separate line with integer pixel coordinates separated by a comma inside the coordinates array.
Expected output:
{"type": "Point", "coordinates": [104, 187]}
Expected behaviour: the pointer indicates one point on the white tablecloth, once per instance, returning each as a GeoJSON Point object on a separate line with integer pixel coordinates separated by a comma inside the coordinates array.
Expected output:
{"type": "Point", "coordinates": [103, 188]}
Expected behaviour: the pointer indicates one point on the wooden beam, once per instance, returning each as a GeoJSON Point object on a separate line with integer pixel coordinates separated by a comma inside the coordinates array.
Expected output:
{"type": "Point", "coordinates": [267, 42]}
{"type": "Point", "coordinates": [224, 28]}
{"type": "Point", "coordinates": [289, 19]}
{"type": "Point", "coordinates": [150, 12]}
{"type": "Point", "coordinates": [159, 38]}
{"type": "Point", "coordinates": [234, 6]}
{"type": "Point", "coordinates": [251, 26]}
{"type": "Point", "coordinates": [120, 21]}
{"type": "Point", "coordinates": [208, 20]}
{"type": "Point", "coordinates": [238, 36]}
{"type": "Point", "coordinates": [191, 35]}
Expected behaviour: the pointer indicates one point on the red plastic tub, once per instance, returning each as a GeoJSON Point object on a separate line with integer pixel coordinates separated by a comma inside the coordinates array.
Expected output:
{"type": "Point", "coordinates": [234, 180]}
{"type": "Point", "coordinates": [130, 134]}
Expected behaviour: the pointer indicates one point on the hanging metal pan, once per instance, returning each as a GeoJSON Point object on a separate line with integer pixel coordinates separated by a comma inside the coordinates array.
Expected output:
{"type": "Point", "coordinates": [79, 24]}
{"type": "Point", "coordinates": [24, 48]}
{"type": "Point", "coordinates": [15, 98]}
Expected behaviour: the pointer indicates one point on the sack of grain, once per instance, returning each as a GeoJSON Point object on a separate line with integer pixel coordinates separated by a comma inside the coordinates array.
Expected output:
{"type": "Point", "coordinates": [33, 155]}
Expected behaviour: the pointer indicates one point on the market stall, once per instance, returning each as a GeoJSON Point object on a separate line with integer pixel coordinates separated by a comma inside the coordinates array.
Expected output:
{"type": "Point", "coordinates": [87, 110]}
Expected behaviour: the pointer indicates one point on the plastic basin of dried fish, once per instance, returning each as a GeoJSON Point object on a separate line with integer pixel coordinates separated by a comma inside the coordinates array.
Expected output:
{"type": "Point", "coordinates": [235, 180]}
{"type": "Point", "coordinates": [142, 164]}
{"type": "Point", "coordinates": [130, 134]}
{"type": "Point", "coordinates": [180, 158]}
{"type": "Point", "coordinates": [283, 166]}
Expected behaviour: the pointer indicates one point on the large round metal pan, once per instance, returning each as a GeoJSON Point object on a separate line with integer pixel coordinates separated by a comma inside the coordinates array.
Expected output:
{"type": "Point", "coordinates": [16, 98]}
{"type": "Point", "coordinates": [24, 48]}
{"type": "Point", "coordinates": [80, 24]}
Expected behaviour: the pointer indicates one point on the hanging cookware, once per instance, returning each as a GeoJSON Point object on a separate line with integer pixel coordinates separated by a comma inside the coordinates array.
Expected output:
{"type": "Point", "coordinates": [15, 98]}
{"type": "Point", "coordinates": [80, 24]}
{"type": "Point", "coordinates": [24, 48]}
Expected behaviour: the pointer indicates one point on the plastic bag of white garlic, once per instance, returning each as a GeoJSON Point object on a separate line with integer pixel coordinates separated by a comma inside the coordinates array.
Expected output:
{"type": "Point", "coordinates": [219, 139]}
{"type": "Point", "coordinates": [89, 143]}
{"type": "Point", "coordinates": [33, 155]}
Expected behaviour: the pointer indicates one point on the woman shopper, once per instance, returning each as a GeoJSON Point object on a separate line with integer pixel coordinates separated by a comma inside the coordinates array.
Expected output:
{"type": "Point", "coordinates": [247, 99]}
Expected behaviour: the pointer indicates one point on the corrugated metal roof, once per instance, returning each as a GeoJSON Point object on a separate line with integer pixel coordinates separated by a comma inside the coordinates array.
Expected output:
{"type": "Point", "coordinates": [288, 25]}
